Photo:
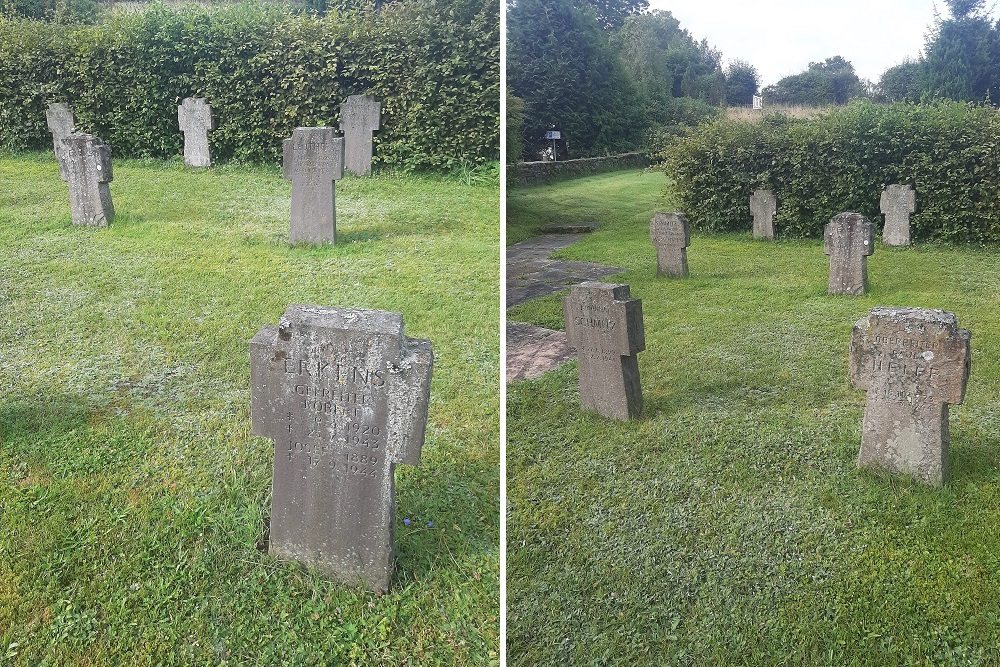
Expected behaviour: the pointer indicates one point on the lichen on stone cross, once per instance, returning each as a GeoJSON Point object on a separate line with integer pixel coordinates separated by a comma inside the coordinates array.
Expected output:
{"type": "Point", "coordinates": [763, 206]}
{"type": "Point", "coordinates": [848, 239]}
{"type": "Point", "coordinates": [313, 160]}
{"type": "Point", "coordinates": [86, 167]}
{"type": "Point", "coordinates": [671, 235]}
{"type": "Point", "coordinates": [360, 116]}
{"type": "Point", "coordinates": [194, 117]}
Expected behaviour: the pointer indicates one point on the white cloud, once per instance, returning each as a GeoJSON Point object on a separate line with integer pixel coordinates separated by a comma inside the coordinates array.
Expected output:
{"type": "Point", "coordinates": [781, 37]}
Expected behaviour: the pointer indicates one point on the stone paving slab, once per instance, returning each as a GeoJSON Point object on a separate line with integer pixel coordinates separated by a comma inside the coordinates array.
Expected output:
{"type": "Point", "coordinates": [532, 351]}
{"type": "Point", "coordinates": [531, 273]}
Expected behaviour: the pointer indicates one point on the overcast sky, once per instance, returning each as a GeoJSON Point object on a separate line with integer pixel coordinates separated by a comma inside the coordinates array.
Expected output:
{"type": "Point", "coordinates": [781, 37]}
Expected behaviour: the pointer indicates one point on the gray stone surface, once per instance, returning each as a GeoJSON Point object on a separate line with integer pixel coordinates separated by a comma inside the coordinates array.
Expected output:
{"type": "Point", "coordinates": [763, 206]}
{"type": "Point", "coordinates": [313, 159]}
{"type": "Point", "coordinates": [532, 273]}
{"type": "Point", "coordinates": [533, 351]}
{"type": "Point", "coordinates": [343, 394]}
{"type": "Point", "coordinates": [913, 363]}
{"type": "Point", "coordinates": [360, 115]}
{"type": "Point", "coordinates": [671, 234]}
{"type": "Point", "coordinates": [897, 203]}
{"type": "Point", "coordinates": [604, 325]}
{"type": "Point", "coordinates": [61, 124]}
{"type": "Point", "coordinates": [194, 116]}
{"type": "Point", "coordinates": [848, 239]}
{"type": "Point", "coordinates": [86, 167]}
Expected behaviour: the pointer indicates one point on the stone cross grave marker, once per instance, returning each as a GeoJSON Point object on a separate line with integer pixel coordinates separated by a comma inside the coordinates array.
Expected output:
{"type": "Point", "coordinates": [61, 124]}
{"type": "Point", "coordinates": [344, 395]}
{"type": "Point", "coordinates": [913, 363]}
{"type": "Point", "coordinates": [313, 159]}
{"type": "Point", "coordinates": [604, 324]}
{"type": "Point", "coordinates": [86, 167]}
{"type": "Point", "coordinates": [360, 115]}
{"type": "Point", "coordinates": [671, 234]}
{"type": "Point", "coordinates": [763, 206]}
{"type": "Point", "coordinates": [897, 203]}
{"type": "Point", "coordinates": [194, 116]}
{"type": "Point", "coordinates": [848, 239]}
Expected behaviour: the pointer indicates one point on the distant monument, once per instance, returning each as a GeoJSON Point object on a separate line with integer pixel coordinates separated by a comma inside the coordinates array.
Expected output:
{"type": "Point", "coordinates": [360, 115]}
{"type": "Point", "coordinates": [344, 396]}
{"type": "Point", "coordinates": [604, 324]}
{"type": "Point", "coordinates": [86, 167]}
{"type": "Point", "coordinates": [671, 234]}
{"type": "Point", "coordinates": [913, 363]}
{"type": "Point", "coordinates": [313, 159]}
{"type": "Point", "coordinates": [897, 203]}
{"type": "Point", "coordinates": [763, 206]}
{"type": "Point", "coordinates": [61, 124]}
{"type": "Point", "coordinates": [848, 239]}
{"type": "Point", "coordinates": [194, 116]}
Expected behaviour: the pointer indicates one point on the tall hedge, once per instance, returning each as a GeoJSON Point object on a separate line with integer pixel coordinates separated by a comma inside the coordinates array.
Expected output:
{"type": "Point", "coordinates": [818, 167]}
{"type": "Point", "coordinates": [434, 64]}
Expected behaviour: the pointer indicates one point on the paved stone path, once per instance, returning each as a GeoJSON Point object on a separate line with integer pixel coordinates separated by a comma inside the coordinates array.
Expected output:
{"type": "Point", "coordinates": [531, 273]}
{"type": "Point", "coordinates": [532, 351]}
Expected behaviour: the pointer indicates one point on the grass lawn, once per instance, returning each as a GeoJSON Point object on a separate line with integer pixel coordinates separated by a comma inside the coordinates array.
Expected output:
{"type": "Point", "coordinates": [132, 495]}
{"type": "Point", "coordinates": [730, 526]}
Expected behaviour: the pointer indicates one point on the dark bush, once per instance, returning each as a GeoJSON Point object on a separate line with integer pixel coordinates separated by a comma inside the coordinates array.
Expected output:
{"type": "Point", "coordinates": [822, 166]}
{"type": "Point", "coordinates": [434, 64]}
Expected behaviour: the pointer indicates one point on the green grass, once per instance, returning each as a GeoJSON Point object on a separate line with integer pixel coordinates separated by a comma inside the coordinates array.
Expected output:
{"type": "Point", "coordinates": [730, 526]}
{"type": "Point", "coordinates": [132, 494]}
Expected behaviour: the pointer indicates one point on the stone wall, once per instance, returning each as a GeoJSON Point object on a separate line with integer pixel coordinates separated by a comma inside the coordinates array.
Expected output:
{"type": "Point", "coordinates": [532, 173]}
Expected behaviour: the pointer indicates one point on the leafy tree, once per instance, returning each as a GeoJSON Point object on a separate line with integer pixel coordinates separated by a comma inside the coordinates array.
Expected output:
{"type": "Point", "coordinates": [742, 83]}
{"type": "Point", "coordinates": [962, 54]}
{"type": "Point", "coordinates": [902, 83]}
{"type": "Point", "coordinates": [666, 63]}
{"type": "Point", "coordinates": [560, 64]}
{"type": "Point", "coordinates": [832, 81]}
{"type": "Point", "coordinates": [612, 13]}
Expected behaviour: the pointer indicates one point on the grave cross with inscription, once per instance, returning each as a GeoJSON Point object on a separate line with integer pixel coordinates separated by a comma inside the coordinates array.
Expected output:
{"type": "Point", "coordinates": [848, 239]}
{"type": "Point", "coordinates": [897, 203]}
{"type": "Point", "coordinates": [763, 206]}
{"type": "Point", "coordinates": [913, 363]}
{"type": "Point", "coordinates": [360, 115]}
{"type": "Point", "coordinates": [604, 324]}
{"type": "Point", "coordinates": [61, 124]}
{"type": "Point", "coordinates": [194, 116]}
{"type": "Point", "coordinates": [86, 167]}
{"type": "Point", "coordinates": [313, 159]}
{"type": "Point", "coordinates": [671, 234]}
{"type": "Point", "coordinates": [343, 394]}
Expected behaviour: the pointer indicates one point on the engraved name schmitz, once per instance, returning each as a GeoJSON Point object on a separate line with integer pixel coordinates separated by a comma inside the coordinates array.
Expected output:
{"type": "Point", "coordinates": [313, 159]}
{"type": "Point", "coordinates": [671, 235]}
{"type": "Point", "coordinates": [913, 363]}
{"type": "Point", "coordinates": [604, 324]}
{"type": "Point", "coordinates": [344, 395]}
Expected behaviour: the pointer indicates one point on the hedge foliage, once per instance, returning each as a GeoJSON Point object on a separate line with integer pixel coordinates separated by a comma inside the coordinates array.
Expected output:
{"type": "Point", "coordinates": [434, 64]}
{"type": "Point", "coordinates": [818, 167]}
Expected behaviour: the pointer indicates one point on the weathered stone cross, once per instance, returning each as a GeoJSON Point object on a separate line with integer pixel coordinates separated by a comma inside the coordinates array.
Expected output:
{"type": "Point", "coordinates": [897, 203]}
{"type": "Point", "coordinates": [848, 239]}
{"type": "Point", "coordinates": [913, 363]}
{"type": "Point", "coordinates": [194, 116]}
{"type": "Point", "coordinates": [86, 167]}
{"type": "Point", "coordinates": [360, 115]}
{"type": "Point", "coordinates": [604, 324]}
{"type": "Point", "coordinates": [671, 235]}
{"type": "Point", "coordinates": [344, 396]}
{"type": "Point", "coordinates": [313, 159]}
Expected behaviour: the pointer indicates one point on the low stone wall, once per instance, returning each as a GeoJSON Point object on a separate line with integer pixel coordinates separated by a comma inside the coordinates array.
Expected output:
{"type": "Point", "coordinates": [531, 173]}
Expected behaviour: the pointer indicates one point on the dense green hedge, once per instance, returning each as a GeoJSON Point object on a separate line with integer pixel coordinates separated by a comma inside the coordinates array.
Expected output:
{"type": "Point", "coordinates": [434, 64]}
{"type": "Point", "coordinates": [818, 167]}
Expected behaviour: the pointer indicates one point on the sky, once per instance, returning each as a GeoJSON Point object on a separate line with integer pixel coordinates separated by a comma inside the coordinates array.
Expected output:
{"type": "Point", "coordinates": [781, 37]}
